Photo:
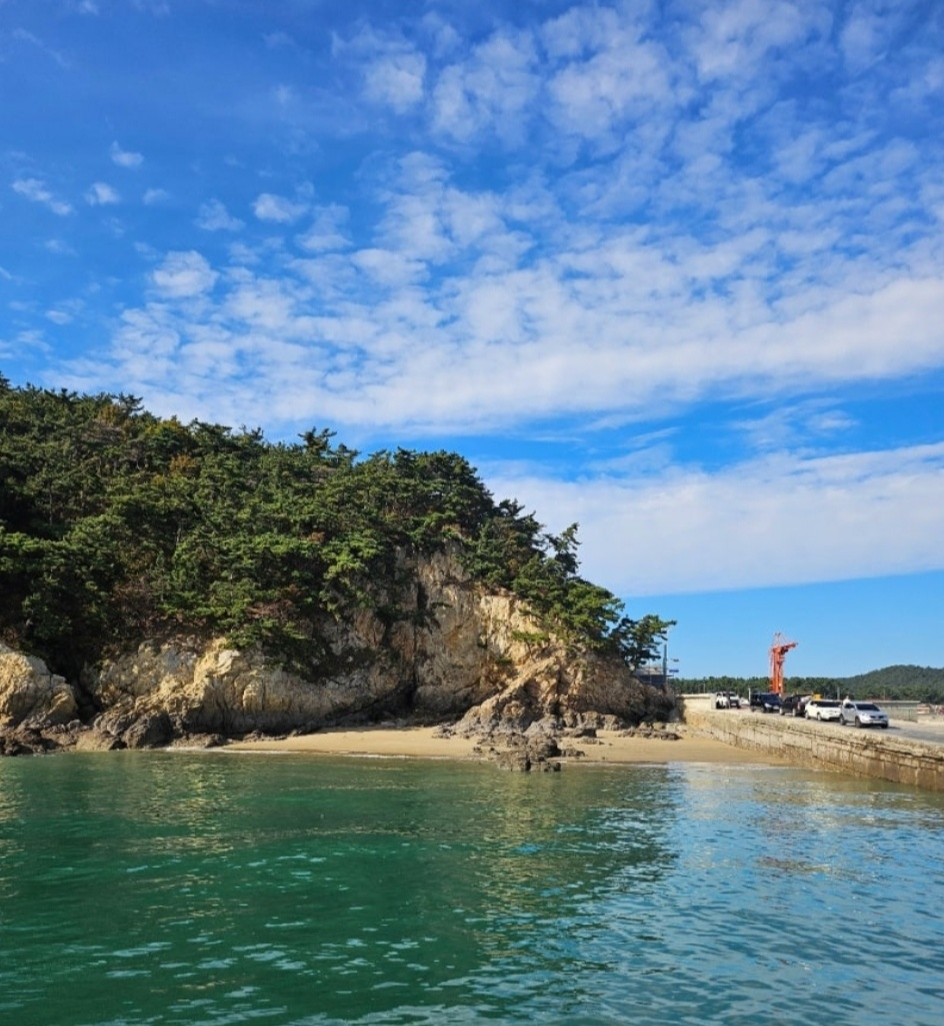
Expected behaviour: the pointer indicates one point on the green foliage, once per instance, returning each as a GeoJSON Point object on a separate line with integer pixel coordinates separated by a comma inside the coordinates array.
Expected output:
{"type": "Point", "coordinates": [116, 525]}
{"type": "Point", "coordinates": [908, 683]}
{"type": "Point", "coordinates": [902, 683]}
{"type": "Point", "coordinates": [640, 641]}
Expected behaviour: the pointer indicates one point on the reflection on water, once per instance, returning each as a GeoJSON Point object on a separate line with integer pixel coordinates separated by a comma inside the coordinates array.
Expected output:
{"type": "Point", "coordinates": [157, 888]}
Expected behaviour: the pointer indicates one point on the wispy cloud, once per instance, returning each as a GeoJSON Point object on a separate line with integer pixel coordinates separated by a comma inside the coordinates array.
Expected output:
{"type": "Point", "coordinates": [780, 520]}
{"type": "Point", "coordinates": [125, 158]}
{"type": "Point", "coordinates": [183, 275]}
{"type": "Point", "coordinates": [101, 194]}
{"type": "Point", "coordinates": [279, 209]}
{"type": "Point", "coordinates": [497, 346]}
{"type": "Point", "coordinates": [35, 190]}
{"type": "Point", "coordinates": [393, 70]}
{"type": "Point", "coordinates": [214, 217]}
{"type": "Point", "coordinates": [327, 231]}
{"type": "Point", "coordinates": [24, 36]}
{"type": "Point", "coordinates": [495, 90]}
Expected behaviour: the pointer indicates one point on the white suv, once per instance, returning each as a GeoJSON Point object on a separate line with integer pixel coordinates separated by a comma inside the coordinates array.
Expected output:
{"type": "Point", "coordinates": [727, 700]}
{"type": "Point", "coordinates": [822, 709]}
{"type": "Point", "coordinates": [862, 714]}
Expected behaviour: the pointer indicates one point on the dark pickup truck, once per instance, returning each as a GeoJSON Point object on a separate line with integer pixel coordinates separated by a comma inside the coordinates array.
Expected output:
{"type": "Point", "coordinates": [765, 701]}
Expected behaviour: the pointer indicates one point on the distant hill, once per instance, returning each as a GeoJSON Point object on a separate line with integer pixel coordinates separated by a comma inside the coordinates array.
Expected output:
{"type": "Point", "coordinates": [922, 683]}
{"type": "Point", "coordinates": [903, 682]}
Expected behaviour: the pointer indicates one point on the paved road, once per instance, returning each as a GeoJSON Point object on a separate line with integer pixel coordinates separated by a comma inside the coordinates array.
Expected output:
{"type": "Point", "coordinates": [917, 731]}
{"type": "Point", "coordinates": [932, 733]}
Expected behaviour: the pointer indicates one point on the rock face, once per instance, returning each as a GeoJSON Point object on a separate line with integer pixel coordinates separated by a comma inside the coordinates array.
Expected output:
{"type": "Point", "coordinates": [453, 652]}
{"type": "Point", "coordinates": [36, 707]}
{"type": "Point", "coordinates": [29, 692]}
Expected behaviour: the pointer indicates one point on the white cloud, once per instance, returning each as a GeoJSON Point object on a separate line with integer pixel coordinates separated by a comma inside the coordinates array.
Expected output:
{"type": "Point", "coordinates": [125, 158]}
{"type": "Point", "coordinates": [605, 75]}
{"type": "Point", "coordinates": [327, 231]}
{"type": "Point", "coordinates": [269, 207]}
{"type": "Point", "coordinates": [733, 39]}
{"type": "Point", "coordinates": [27, 37]}
{"type": "Point", "coordinates": [214, 217]}
{"type": "Point", "coordinates": [494, 90]}
{"type": "Point", "coordinates": [864, 36]}
{"type": "Point", "coordinates": [102, 194]}
{"type": "Point", "coordinates": [396, 79]}
{"type": "Point", "coordinates": [59, 247]}
{"type": "Point", "coordinates": [242, 255]}
{"type": "Point", "coordinates": [183, 275]}
{"type": "Point", "coordinates": [463, 321]}
{"type": "Point", "coordinates": [389, 267]}
{"type": "Point", "coordinates": [794, 424]}
{"type": "Point", "coordinates": [154, 196]}
{"type": "Point", "coordinates": [779, 521]}
{"type": "Point", "coordinates": [266, 304]}
{"type": "Point", "coordinates": [427, 219]}
{"type": "Point", "coordinates": [35, 190]}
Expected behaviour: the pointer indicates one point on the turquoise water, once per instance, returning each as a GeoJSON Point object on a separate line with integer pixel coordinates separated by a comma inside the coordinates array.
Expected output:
{"type": "Point", "coordinates": [216, 888]}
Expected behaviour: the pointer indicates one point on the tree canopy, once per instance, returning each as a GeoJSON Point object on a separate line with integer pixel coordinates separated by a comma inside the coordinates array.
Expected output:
{"type": "Point", "coordinates": [117, 525]}
{"type": "Point", "coordinates": [904, 683]}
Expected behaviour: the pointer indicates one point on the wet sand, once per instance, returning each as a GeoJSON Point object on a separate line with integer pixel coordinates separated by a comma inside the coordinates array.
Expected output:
{"type": "Point", "coordinates": [426, 743]}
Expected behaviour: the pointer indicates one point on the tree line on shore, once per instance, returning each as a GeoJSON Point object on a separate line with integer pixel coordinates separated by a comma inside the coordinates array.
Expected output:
{"type": "Point", "coordinates": [897, 683]}
{"type": "Point", "coordinates": [117, 525]}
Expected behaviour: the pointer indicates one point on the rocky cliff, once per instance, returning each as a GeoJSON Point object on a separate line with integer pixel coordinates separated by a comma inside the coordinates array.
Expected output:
{"type": "Point", "coordinates": [452, 651]}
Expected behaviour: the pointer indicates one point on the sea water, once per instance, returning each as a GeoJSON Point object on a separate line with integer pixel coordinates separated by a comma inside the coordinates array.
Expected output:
{"type": "Point", "coordinates": [219, 888]}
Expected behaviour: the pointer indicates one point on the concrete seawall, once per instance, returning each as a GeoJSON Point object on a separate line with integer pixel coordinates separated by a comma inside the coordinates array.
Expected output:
{"type": "Point", "coordinates": [827, 746]}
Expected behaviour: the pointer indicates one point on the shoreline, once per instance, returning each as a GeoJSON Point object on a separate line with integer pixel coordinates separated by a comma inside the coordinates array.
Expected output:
{"type": "Point", "coordinates": [608, 748]}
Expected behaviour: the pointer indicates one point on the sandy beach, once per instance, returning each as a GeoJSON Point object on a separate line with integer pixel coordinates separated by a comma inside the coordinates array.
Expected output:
{"type": "Point", "coordinates": [426, 743]}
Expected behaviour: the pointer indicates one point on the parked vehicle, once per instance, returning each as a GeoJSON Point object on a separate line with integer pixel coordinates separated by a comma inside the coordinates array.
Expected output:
{"type": "Point", "coordinates": [862, 714]}
{"type": "Point", "coordinates": [766, 701]}
{"type": "Point", "coordinates": [822, 709]}
{"type": "Point", "coordinates": [792, 705]}
{"type": "Point", "coordinates": [727, 700]}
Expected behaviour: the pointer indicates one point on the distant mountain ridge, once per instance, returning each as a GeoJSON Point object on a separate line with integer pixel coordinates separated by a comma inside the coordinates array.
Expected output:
{"type": "Point", "coordinates": [899, 677]}
{"type": "Point", "coordinates": [902, 681]}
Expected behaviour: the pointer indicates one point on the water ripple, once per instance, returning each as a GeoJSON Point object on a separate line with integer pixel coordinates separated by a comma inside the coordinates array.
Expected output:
{"type": "Point", "coordinates": [317, 893]}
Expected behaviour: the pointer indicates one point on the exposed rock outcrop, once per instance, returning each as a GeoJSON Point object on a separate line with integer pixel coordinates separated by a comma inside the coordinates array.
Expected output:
{"type": "Point", "coordinates": [452, 653]}
{"type": "Point", "coordinates": [38, 709]}
{"type": "Point", "coordinates": [29, 692]}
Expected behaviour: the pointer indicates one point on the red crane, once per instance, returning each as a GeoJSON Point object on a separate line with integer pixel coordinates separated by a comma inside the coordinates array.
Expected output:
{"type": "Point", "coordinates": [778, 652]}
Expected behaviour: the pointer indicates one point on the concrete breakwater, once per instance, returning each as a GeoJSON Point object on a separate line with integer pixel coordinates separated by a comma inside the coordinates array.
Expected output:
{"type": "Point", "coordinates": [827, 746]}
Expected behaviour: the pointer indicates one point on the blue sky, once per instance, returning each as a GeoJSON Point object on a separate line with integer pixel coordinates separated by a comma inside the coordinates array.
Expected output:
{"type": "Point", "coordinates": [672, 270]}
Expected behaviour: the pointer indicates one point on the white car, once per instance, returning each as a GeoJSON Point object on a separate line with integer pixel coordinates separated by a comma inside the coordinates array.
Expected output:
{"type": "Point", "coordinates": [862, 714]}
{"type": "Point", "coordinates": [823, 709]}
